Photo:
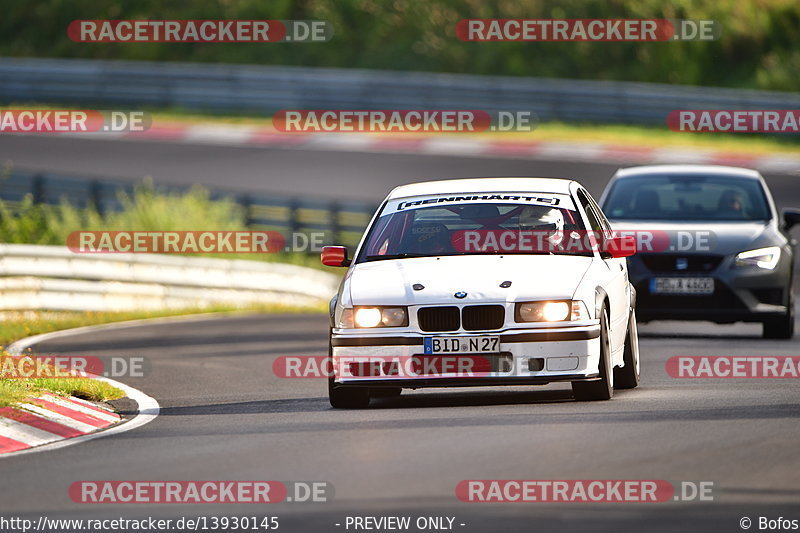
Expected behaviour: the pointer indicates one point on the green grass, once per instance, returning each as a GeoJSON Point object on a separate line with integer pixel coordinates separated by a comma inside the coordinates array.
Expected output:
{"type": "Point", "coordinates": [13, 391]}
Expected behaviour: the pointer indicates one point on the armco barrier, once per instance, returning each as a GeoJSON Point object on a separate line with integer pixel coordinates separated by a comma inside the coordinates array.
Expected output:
{"type": "Point", "coordinates": [342, 222]}
{"type": "Point", "coordinates": [266, 89]}
{"type": "Point", "coordinates": [53, 278]}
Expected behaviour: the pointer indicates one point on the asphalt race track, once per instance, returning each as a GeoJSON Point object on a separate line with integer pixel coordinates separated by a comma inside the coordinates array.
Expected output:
{"type": "Point", "coordinates": [226, 416]}
{"type": "Point", "coordinates": [354, 175]}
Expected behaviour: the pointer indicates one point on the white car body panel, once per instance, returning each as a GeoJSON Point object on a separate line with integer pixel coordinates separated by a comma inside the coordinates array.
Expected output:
{"type": "Point", "coordinates": [574, 350]}
{"type": "Point", "coordinates": [389, 282]}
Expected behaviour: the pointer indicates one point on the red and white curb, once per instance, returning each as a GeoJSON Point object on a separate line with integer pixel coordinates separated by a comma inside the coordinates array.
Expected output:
{"type": "Point", "coordinates": [49, 422]}
{"type": "Point", "coordinates": [49, 418]}
{"type": "Point", "coordinates": [454, 144]}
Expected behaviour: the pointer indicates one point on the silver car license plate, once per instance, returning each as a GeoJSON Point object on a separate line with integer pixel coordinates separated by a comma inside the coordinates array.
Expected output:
{"type": "Point", "coordinates": [478, 344]}
{"type": "Point", "coordinates": [682, 285]}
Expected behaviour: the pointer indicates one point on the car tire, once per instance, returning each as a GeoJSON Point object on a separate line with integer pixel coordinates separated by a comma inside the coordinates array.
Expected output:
{"type": "Point", "coordinates": [342, 396]}
{"type": "Point", "coordinates": [780, 328]}
{"type": "Point", "coordinates": [627, 377]}
{"type": "Point", "coordinates": [603, 388]}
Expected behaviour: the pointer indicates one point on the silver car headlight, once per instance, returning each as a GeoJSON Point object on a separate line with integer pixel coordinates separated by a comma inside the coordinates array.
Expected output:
{"type": "Point", "coordinates": [766, 258]}
{"type": "Point", "coordinates": [374, 317]}
{"type": "Point", "coordinates": [550, 311]}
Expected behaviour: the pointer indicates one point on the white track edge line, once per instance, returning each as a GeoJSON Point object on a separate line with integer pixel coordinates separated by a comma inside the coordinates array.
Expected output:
{"type": "Point", "coordinates": [148, 408]}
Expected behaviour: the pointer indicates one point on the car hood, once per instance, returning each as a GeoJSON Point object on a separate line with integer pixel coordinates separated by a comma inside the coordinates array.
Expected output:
{"type": "Point", "coordinates": [390, 282]}
{"type": "Point", "coordinates": [724, 238]}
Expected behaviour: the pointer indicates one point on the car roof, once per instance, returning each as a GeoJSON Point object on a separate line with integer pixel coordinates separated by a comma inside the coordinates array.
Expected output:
{"type": "Point", "coordinates": [483, 185]}
{"type": "Point", "coordinates": [709, 170]}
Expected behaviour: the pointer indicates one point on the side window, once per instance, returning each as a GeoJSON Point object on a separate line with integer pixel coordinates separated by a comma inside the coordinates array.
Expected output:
{"type": "Point", "coordinates": [594, 221]}
{"type": "Point", "coordinates": [601, 217]}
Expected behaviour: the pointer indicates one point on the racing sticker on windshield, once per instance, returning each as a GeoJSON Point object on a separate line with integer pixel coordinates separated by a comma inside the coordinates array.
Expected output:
{"type": "Point", "coordinates": [426, 201]}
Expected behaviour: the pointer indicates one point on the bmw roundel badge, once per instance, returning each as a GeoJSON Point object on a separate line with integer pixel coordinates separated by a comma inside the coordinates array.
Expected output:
{"type": "Point", "coordinates": [460, 294]}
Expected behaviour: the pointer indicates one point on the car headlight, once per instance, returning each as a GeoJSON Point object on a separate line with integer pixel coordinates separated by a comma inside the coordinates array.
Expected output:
{"type": "Point", "coordinates": [766, 258]}
{"type": "Point", "coordinates": [346, 319]}
{"type": "Point", "coordinates": [374, 317]}
{"type": "Point", "coordinates": [551, 311]}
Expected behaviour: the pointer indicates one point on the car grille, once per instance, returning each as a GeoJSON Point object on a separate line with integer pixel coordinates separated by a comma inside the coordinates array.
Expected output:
{"type": "Point", "coordinates": [479, 317]}
{"type": "Point", "coordinates": [438, 318]}
{"type": "Point", "coordinates": [472, 318]}
{"type": "Point", "coordinates": [669, 262]}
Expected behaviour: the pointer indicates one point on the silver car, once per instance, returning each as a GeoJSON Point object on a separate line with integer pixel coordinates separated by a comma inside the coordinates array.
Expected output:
{"type": "Point", "coordinates": [711, 244]}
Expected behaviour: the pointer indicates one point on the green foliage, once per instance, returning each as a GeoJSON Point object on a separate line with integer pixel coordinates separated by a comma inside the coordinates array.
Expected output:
{"type": "Point", "coordinates": [145, 210]}
{"type": "Point", "coordinates": [759, 47]}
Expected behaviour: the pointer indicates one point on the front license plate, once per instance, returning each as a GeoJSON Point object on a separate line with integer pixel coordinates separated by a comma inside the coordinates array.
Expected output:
{"type": "Point", "coordinates": [682, 285]}
{"type": "Point", "coordinates": [482, 344]}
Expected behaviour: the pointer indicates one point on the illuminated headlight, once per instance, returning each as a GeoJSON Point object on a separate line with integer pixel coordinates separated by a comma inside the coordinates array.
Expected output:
{"type": "Point", "coordinates": [376, 317]}
{"type": "Point", "coordinates": [766, 258]}
{"type": "Point", "coordinates": [552, 311]}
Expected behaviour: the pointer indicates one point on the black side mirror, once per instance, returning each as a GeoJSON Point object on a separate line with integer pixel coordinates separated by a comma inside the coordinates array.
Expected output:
{"type": "Point", "coordinates": [791, 217]}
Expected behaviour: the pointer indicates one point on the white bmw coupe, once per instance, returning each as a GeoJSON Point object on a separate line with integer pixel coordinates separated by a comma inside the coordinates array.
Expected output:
{"type": "Point", "coordinates": [483, 282]}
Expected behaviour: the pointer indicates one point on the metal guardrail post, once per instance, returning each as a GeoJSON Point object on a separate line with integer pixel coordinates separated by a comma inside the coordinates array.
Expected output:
{"type": "Point", "coordinates": [37, 188]}
{"type": "Point", "coordinates": [95, 200]}
{"type": "Point", "coordinates": [246, 201]}
{"type": "Point", "coordinates": [335, 229]}
{"type": "Point", "coordinates": [294, 218]}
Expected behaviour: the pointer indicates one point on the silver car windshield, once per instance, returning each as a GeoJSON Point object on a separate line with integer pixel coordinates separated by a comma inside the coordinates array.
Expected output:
{"type": "Point", "coordinates": [687, 198]}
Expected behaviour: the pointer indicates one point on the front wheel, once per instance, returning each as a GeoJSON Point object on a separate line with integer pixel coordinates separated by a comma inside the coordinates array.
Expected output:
{"type": "Point", "coordinates": [343, 397]}
{"type": "Point", "coordinates": [627, 376]}
{"type": "Point", "coordinates": [780, 328]}
{"type": "Point", "coordinates": [603, 388]}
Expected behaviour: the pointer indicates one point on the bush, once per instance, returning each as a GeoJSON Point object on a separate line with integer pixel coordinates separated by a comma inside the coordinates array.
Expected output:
{"type": "Point", "coordinates": [144, 210]}
{"type": "Point", "coordinates": [759, 47]}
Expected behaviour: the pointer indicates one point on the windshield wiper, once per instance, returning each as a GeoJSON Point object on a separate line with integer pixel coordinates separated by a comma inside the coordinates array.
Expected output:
{"type": "Point", "coordinates": [394, 256]}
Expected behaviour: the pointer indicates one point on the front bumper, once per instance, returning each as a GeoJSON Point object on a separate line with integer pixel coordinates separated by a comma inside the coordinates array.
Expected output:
{"type": "Point", "coordinates": [740, 294]}
{"type": "Point", "coordinates": [534, 356]}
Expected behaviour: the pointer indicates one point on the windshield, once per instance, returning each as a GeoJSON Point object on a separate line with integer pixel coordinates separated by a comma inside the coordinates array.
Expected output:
{"type": "Point", "coordinates": [475, 228]}
{"type": "Point", "coordinates": [687, 198]}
